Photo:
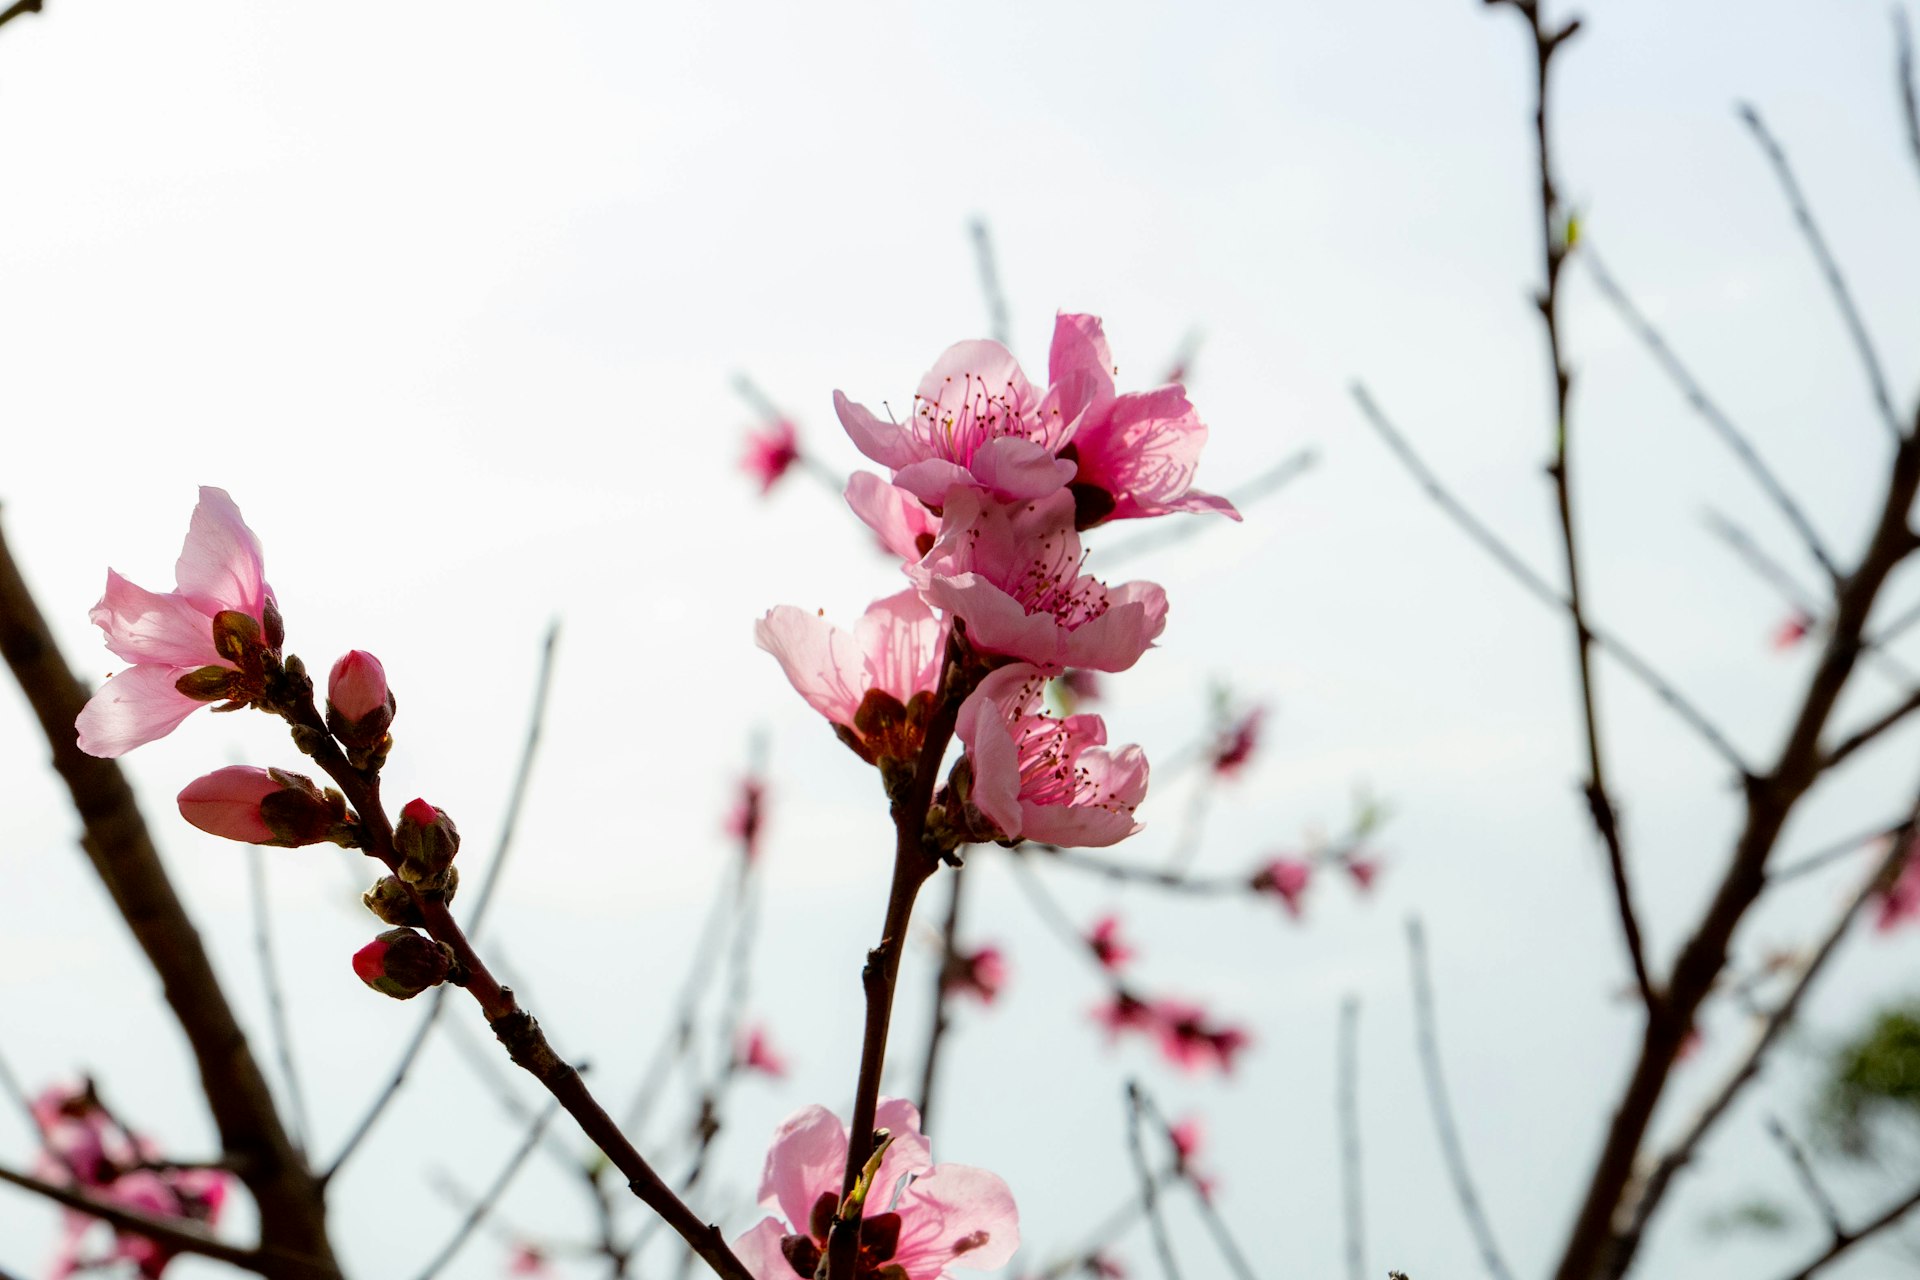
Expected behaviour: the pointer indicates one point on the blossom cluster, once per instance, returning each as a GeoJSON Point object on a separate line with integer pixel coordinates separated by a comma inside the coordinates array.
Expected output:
{"type": "Point", "coordinates": [990, 483]}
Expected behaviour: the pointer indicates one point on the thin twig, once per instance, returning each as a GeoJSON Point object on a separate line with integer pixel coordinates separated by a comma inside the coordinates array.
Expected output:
{"type": "Point", "coordinates": [1427, 1041]}
{"type": "Point", "coordinates": [504, 1179]}
{"type": "Point", "coordinates": [1347, 1106]}
{"type": "Point", "coordinates": [1105, 1235]}
{"type": "Point", "coordinates": [1127, 873]}
{"type": "Point", "coordinates": [1836, 283]}
{"type": "Point", "coordinates": [1803, 1170]}
{"type": "Point", "coordinates": [998, 327]}
{"type": "Point", "coordinates": [1171, 533]}
{"type": "Point", "coordinates": [942, 993]}
{"type": "Point", "coordinates": [1710, 413]}
{"type": "Point", "coordinates": [298, 1124]}
{"type": "Point", "coordinates": [1763, 565]}
{"type": "Point", "coordinates": [1903, 38]}
{"type": "Point", "coordinates": [1538, 587]}
{"type": "Point", "coordinates": [1867, 733]}
{"type": "Point", "coordinates": [10, 1084]}
{"type": "Point", "coordinates": [1216, 1226]}
{"type": "Point", "coordinates": [1845, 1240]}
{"type": "Point", "coordinates": [168, 1232]}
{"type": "Point", "coordinates": [509, 822]}
{"type": "Point", "coordinates": [19, 9]}
{"type": "Point", "coordinates": [1149, 1185]}
{"type": "Point", "coordinates": [1834, 852]}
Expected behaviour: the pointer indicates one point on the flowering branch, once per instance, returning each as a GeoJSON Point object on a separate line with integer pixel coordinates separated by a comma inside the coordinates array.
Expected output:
{"type": "Point", "coordinates": [168, 1232]}
{"type": "Point", "coordinates": [292, 1210]}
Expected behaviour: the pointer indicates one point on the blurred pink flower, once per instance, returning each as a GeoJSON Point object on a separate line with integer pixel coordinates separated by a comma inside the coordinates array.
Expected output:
{"type": "Point", "coordinates": [1792, 631]}
{"type": "Point", "coordinates": [1124, 1012]}
{"type": "Point", "coordinates": [979, 973]}
{"type": "Point", "coordinates": [1013, 573]}
{"type": "Point", "coordinates": [863, 679]}
{"type": "Point", "coordinates": [1187, 1137]}
{"type": "Point", "coordinates": [947, 1215]}
{"type": "Point", "coordinates": [748, 815]}
{"type": "Point", "coordinates": [262, 806]}
{"type": "Point", "coordinates": [1364, 868]}
{"type": "Point", "coordinates": [771, 451]}
{"type": "Point", "coordinates": [528, 1260]}
{"type": "Point", "coordinates": [1036, 777]}
{"type": "Point", "coordinates": [977, 423]}
{"type": "Point", "coordinates": [1236, 746]}
{"type": "Point", "coordinates": [756, 1053]}
{"type": "Point", "coordinates": [1108, 949]}
{"type": "Point", "coordinates": [172, 635]}
{"type": "Point", "coordinates": [1189, 1042]}
{"type": "Point", "coordinates": [1900, 899]}
{"type": "Point", "coordinates": [1136, 453]}
{"type": "Point", "coordinates": [901, 521]}
{"type": "Point", "coordinates": [1286, 879]}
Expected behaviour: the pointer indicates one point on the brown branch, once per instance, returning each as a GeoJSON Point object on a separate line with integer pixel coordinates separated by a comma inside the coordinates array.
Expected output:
{"type": "Point", "coordinates": [1845, 1240]}
{"type": "Point", "coordinates": [1861, 737]}
{"type": "Point", "coordinates": [167, 1232]}
{"type": "Point", "coordinates": [19, 9]}
{"type": "Point", "coordinates": [1836, 283]}
{"type": "Point", "coordinates": [942, 991]}
{"type": "Point", "coordinates": [1149, 1185]}
{"type": "Point", "coordinates": [1903, 40]}
{"type": "Point", "coordinates": [1803, 1170]}
{"type": "Point", "coordinates": [288, 1196]}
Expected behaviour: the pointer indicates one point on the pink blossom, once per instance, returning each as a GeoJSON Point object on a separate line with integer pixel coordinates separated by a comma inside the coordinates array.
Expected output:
{"type": "Point", "coordinates": [1108, 949]}
{"type": "Point", "coordinates": [1106, 1266]}
{"type": "Point", "coordinates": [1124, 1012]}
{"type": "Point", "coordinates": [771, 451]}
{"type": "Point", "coordinates": [1190, 1042]}
{"type": "Point", "coordinates": [1013, 573]}
{"type": "Point", "coordinates": [172, 635]}
{"type": "Point", "coordinates": [947, 1215]}
{"type": "Point", "coordinates": [1136, 453]}
{"type": "Point", "coordinates": [1038, 777]}
{"type": "Point", "coordinates": [1364, 868]}
{"type": "Point", "coordinates": [756, 1053]}
{"type": "Point", "coordinates": [862, 681]}
{"type": "Point", "coordinates": [979, 974]}
{"type": "Point", "coordinates": [1187, 1138]}
{"type": "Point", "coordinates": [745, 821]}
{"type": "Point", "coordinates": [1793, 630]}
{"type": "Point", "coordinates": [1900, 900]}
{"type": "Point", "coordinates": [528, 1260]}
{"type": "Point", "coordinates": [901, 521]}
{"type": "Point", "coordinates": [262, 806]}
{"type": "Point", "coordinates": [976, 424]}
{"type": "Point", "coordinates": [1236, 746]}
{"type": "Point", "coordinates": [359, 705]}
{"type": "Point", "coordinates": [1286, 879]}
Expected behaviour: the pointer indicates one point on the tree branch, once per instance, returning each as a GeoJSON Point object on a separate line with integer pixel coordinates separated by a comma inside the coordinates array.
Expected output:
{"type": "Point", "coordinates": [1149, 1185]}
{"type": "Point", "coordinates": [166, 1231]}
{"type": "Point", "coordinates": [292, 1210]}
{"type": "Point", "coordinates": [1845, 1240]}
{"type": "Point", "coordinates": [481, 1208]}
{"type": "Point", "coordinates": [19, 9]}
{"type": "Point", "coordinates": [942, 989]}
{"type": "Point", "coordinates": [276, 1000]}
{"type": "Point", "coordinates": [1347, 1106]}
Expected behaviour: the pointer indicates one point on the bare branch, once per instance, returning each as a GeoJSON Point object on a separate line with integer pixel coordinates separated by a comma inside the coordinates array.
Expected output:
{"type": "Point", "coordinates": [1803, 1170]}
{"type": "Point", "coordinates": [1763, 565]}
{"type": "Point", "coordinates": [1539, 588]}
{"type": "Point", "coordinates": [997, 324]}
{"type": "Point", "coordinates": [19, 9]}
{"type": "Point", "coordinates": [1836, 283]}
{"type": "Point", "coordinates": [1347, 1105]}
{"type": "Point", "coordinates": [1172, 533]}
{"type": "Point", "coordinates": [1881, 724]}
{"type": "Point", "coordinates": [1903, 38]}
{"type": "Point", "coordinates": [276, 1000]}
{"type": "Point", "coordinates": [1844, 1241]}
{"type": "Point", "coordinates": [1834, 852]}
{"type": "Point", "coordinates": [942, 991]}
{"type": "Point", "coordinates": [478, 1213]}
{"type": "Point", "coordinates": [1427, 1041]}
{"type": "Point", "coordinates": [1149, 1185]}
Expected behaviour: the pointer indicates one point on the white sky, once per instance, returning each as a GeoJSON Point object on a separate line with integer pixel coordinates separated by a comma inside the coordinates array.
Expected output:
{"type": "Point", "coordinates": [449, 297]}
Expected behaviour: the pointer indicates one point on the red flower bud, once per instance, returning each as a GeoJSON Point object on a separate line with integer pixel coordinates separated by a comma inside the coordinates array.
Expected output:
{"type": "Point", "coordinates": [359, 705]}
{"type": "Point", "coordinates": [426, 840]}
{"type": "Point", "coordinates": [401, 963]}
{"type": "Point", "coordinates": [264, 806]}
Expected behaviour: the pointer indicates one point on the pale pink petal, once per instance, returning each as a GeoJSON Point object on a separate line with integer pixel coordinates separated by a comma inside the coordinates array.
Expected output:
{"type": "Point", "coordinates": [1144, 452]}
{"type": "Point", "coordinates": [886, 443]}
{"type": "Point", "coordinates": [1079, 346]}
{"type": "Point", "coordinates": [933, 480]}
{"type": "Point", "coordinates": [138, 706]}
{"type": "Point", "coordinates": [899, 519]}
{"type": "Point", "coordinates": [146, 626]}
{"type": "Point", "coordinates": [807, 1158]}
{"type": "Point", "coordinates": [995, 621]}
{"type": "Point", "coordinates": [1136, 615]}
{"type": "Point", "coordinates": [1117, 782]}
{"type": "Point", "coordinates": [908, 1153]}
{"type": "Point", "coordinates": [1016, 469]}
{"type": "Point", "coordinates": [956, 1216]}
{"type": "Point", "coordinates": [220, 565]}
{"type": "Point", "coordinates": [823, 662]}
{"type": "Point", "coordinates": [901, 642]}
{"type": "Point", "coordinates": [978, 365]}
{"type": "Point", "coordinates": [759, 1251]}
{"type": "Point", "coordinates": [983, 726]}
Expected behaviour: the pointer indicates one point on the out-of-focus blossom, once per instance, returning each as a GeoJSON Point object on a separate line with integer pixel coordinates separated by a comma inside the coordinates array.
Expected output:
{"type": "Point", "coordinates": [1136, 453]}
{"type": "Point", "coordinates": [1079, 685]}
{"type": "Point", "coordinates": [1106, 1266]}
{"type": "Point", "coordinates": [745, 820]}
{"type": "Point", "coordinates": [1236, 746]}
{"type": "Point", "coordinates": [1899, 899]}
{"type": "Point", "coordinates": [771, 452]}
{"type": "Point", "coordinates": [1189, 1041]}
{"type": "Point", "coordinates": [1013, 573]}
{"type": "Point", "coordinates": [199, 643]}
{"type": "Point", "coordinates": [980, 973]}
{"type": "Point", "coordinates": [1108, 948]}
{"type": "Point", "coordinates": [864, 681]}
{"type": "Point", "coordinates": [1124, 1012]}
{"type": "Point", "coordinates": [977, 424]}
{"type": "Point", "coordinates": [263, 806]}
{"type": "Point", "coordinates": [1286, 879]}
{"type": "Point", "coordinates": [946, 1216]}
{"type": "Point", "coordinates": [756, 1053]}
{"type": "Point", "coordinates": [1187, 1137]}
{"type": "Point", "coordinates": [528, 1260]}
{"type": "Point", "coordinates": [1364, 868]}
{"type": "Point", "coordinates": [901, 521]}
{"type": "Point", "coordinates": [1791, 632]}
{"type": "Point", "coordinates": [84, 1147]}
{"type": "Point", "coordinates": [426, 840]}
{"type": "Point", "coordinates": [1038, 777]}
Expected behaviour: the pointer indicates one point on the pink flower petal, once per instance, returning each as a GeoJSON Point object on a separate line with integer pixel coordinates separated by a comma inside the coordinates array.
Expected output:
{"type": "Point", "coordinates": [145, 626]}
{"type": "Point", "coordinates": [886, 443]}
{"type": "Point", "coordinates": [901, 643]}
{"type": "Point", "coordinates": [220, 566]}
{"type": "Point", "coordinates": [759, 1251]}
{"type": "Point", "coordinates": [808, 1157]}
{"type": "Point", "coordinates": [956, 1216]}
{"type": "Point", "coordinates": [898, 518]}
{"type": "Point", "coordinates": [138, 706]}
{"type": "Point", "coordinates": [823, 662]}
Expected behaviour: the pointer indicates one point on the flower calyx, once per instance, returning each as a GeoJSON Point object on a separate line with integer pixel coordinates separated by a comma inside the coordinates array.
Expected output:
{"type": "Point", "coordinates": [402, 963]}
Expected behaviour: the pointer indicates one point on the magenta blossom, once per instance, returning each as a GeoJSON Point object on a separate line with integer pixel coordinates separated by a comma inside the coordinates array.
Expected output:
{"type": "Point", "coordinates": [864, 681]}
{"type": "Point", "coordinates": [1236, 746]}
{"type": "Point", "coordinates": [756, 1053]}
{"type": "Point", "coordinates": [979, 974]}
{"type": "Point", "coordinates": [747, 820]}
{"type": "Point", "coordinates": [1136, 453]}
{"type": "Point", "coordinates": [1364, 868]}
{"type": "Point", "coordinates": [218, 579]}
{"type": "Point", "coordinates": [1013, 573]}
{"type": "Point", "coordinates": [1105, 942]}
{"type": "Point", "coordinates": [1189, 1041]}
{"type": "Point", "coordinates": [771, 452]}
{"type": "Point", "coordinates": [901, 521]}
{"type": "Point", "coordinates": [919, 1219]}
{"type": "Point", "coordinates": [1038, 777]}
{"type": "Point", "coordinates": [1900, 900]}
{"type": "Point", "coordinates": [977, 423]}
{"type": "Point", "coordinates": [1286, 879]}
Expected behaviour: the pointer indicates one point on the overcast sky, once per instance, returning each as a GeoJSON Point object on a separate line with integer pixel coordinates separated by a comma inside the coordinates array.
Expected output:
{"type": "Point", "coordinates": [450, 296]}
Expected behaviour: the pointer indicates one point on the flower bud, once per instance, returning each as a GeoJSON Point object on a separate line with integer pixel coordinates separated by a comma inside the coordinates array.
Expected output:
{"type": "Point", "coordinates": [426, 840]}
{"type": "Point", "coordinates": [401, 963]}
{"type": "Point", "coordinates": [264, 806]}
{"type": "Point", "coordinates": [392, 901]}
{"type": "Point", "coordinates": [359, 704]}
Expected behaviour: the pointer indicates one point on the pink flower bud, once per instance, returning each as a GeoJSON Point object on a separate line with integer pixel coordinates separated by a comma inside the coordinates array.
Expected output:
{"type": "Point", "coordinates": [264, 806]}
{"type": "Point", "coordinates": [401, 963]}
{"type": "Point", "coordinates": [426, 840]}
{"type": "Point", "coordinates": [359, 705]}
{"type": "Point", "coordinates": [1286, 879]}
